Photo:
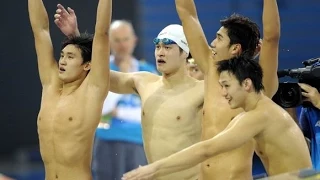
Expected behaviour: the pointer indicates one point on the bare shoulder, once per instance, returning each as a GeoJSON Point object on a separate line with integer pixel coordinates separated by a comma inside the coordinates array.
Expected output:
{"type": "Point", "coordinates": [258, 115]}
{"type": "Point", "coordinates": [143, 80]}
{"type": "Point", "coordinates": [144, 77]}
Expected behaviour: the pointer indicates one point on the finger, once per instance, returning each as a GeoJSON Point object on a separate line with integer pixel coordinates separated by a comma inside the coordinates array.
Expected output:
{"type": "Point", "coordinates": [64, 13]}
{"type": "Point", "coordinates": [128, 175]}
{"type": "Point", "coordinates": [59, 6]}
{"type": "Point", "coordinates": [57, 16]}
{"type": "Point", "coordinates": [58, 22]}
{"type": "Point", "coordinates": [58, 11]}
{"type": "Point", "coordinates": [305, 94]}
{"type": "Point", "coordinates": [71, 12]}
{"type": "Point", "coordinates": [305, 87]}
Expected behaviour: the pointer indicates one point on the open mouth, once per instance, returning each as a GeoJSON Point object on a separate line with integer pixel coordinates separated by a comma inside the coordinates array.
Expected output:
{"type": "Point", "coordinates": [61, 69]}
{"type": "Point", "coordinates": [161, 61]}
{"type": "Point", "coordinates": [228, 99]}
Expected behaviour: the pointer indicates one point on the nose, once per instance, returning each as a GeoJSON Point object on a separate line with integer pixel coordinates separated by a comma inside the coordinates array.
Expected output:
{"type": "Point", "coordinates": [62, 61]}
{"type": "Point", "coordinates": [213, 43]}
{"type": "Point", "coordinates": [160, 52]}
{"type": "Point", "coordinates": [224, 92]}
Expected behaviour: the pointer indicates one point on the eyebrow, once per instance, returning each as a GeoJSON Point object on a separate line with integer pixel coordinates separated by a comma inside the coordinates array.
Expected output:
{"type": "Point", "coordinates": [220, 35]}
{"type": "Point", "coordinates": [68, 53]}
{"type": "Point", "coordinates": [223, 81]}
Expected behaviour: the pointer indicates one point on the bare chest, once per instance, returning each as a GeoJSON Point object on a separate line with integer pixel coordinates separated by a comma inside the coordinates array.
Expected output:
{"type": "Point", "coordinates": [171, 108]}
{"type": "Point", "coordinates": [61, 115]}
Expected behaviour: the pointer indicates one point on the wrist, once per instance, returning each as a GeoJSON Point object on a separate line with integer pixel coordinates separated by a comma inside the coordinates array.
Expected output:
{"type": "Point", "coordinates": [157, 167]}
{"type": "Point", "coordinates": [74, 34]}
{"type": "Point", "coordinates": [77, 32]}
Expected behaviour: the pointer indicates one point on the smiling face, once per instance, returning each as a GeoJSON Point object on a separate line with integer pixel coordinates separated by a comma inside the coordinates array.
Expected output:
{"type": "Point", "coordinates": [71, 66]}
{"type": "Point", "coordinates": [221, 45]}
{"type": "Point", "coordinates": [234, 92]}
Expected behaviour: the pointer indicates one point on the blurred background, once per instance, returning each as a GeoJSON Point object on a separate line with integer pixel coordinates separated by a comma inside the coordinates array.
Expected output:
{"type": "Point", "coordinates": [20, 88]}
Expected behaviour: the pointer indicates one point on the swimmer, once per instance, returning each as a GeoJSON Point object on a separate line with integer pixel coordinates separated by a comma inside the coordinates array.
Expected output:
{"type": "Point", "coordinates": [171, 103]}
{"type": "Point", "coordinates": [73, 92]}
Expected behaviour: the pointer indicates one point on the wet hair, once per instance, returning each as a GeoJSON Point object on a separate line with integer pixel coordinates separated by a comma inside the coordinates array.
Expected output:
{"type": "Point", "coordinates": [242, 68]}
{"type": "Point", "coordinates": [241, 30]}
{"type": "Point", "coordinates": [83, 42]}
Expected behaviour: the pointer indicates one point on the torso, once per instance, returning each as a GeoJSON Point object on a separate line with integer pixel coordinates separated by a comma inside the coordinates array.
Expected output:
{"type": "Point", "coordinates": [235, 164]}
{"type": "Point", "coordinates": [171, 120]}
{"type": "Point", "coordinates": [281, 147]}
{"type": "Point", "coordinates": [66, 126]}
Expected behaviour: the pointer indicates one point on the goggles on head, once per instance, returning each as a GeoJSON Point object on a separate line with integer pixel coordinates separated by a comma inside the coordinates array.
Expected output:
{"type": "Point", "coordinates": [165, 41]}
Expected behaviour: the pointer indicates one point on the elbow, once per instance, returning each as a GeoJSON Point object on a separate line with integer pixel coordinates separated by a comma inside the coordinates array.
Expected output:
{"type": "Point", "coordinates": [102, 32]}
{"type": "Point", "coordinates": [272, 37]}
{"type": "Point", "coordinates": [271, 34]}
{"type": "Point", "coordinates": [40, 27]}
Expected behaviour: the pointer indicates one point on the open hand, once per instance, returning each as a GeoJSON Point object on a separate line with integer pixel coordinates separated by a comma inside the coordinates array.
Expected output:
{"type": "Point", "coordinates": [66, 21]}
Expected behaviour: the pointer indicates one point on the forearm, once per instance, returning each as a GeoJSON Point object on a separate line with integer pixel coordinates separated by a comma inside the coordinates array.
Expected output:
{"type": "Point", "coordinates": [103, 20]}
{"type": "Point", "coordinates": [186, 8]}
{"type": "Point", "coordinates": [194, 33]}
{"type": "Point", "coordinates": [271, 20]}
{"type": "Point", "coordinates": [182, 160]}
{"type": "Point", "coordinates": [38, 15]}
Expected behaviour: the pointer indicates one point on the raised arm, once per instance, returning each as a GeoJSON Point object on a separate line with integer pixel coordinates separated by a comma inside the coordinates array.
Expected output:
{"type": "Point", "coordinates": [197, 41]}
{"type": "Point", "coordinates": [99, 72]}
{"type": "Point", "coordinates": [48, 69]}
{"type": "Point", "coordinates": [231, 138]}
{"type": "Point", "coordinates": [270, 46]}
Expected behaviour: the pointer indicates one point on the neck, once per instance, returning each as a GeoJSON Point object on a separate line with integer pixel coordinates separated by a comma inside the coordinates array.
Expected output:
{"type": "Point", "coordinates": [175, 78]}
{"type": "Point", "coordinates": [68, 88]}
{"type": "Point", "coordinates": [252, 101]}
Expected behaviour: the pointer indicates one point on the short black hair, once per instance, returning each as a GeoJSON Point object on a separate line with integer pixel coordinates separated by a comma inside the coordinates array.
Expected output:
{"type": "Point", "coordinates": [241, 30]}
{"type": "Point", "coordinates": [243, 67]}
{"type": "Point", "coordinates": [83, 42]}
